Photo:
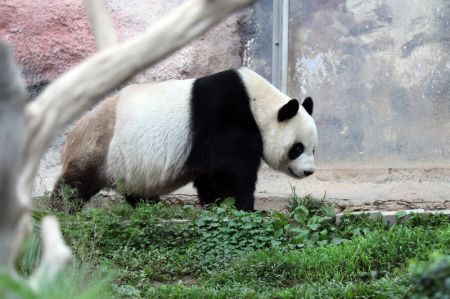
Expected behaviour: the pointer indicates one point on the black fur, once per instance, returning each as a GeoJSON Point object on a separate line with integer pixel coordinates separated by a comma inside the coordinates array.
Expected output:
{"type": "Point", "coordinates": [289, 110]}
{"type": "Point", "coordinates": [227, 145]}
{"type": "Point", "coordinates": [308, 105]}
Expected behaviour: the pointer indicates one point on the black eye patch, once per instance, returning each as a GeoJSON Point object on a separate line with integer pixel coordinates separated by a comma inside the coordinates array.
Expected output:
{"type": "Point", "coordinates": [296, 150]}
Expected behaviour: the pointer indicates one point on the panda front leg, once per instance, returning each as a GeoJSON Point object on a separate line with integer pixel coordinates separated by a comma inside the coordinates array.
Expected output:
{"type": "Point", "coordinates": [240, 185]}
{"type": "Point", "coordinates": [226, 184]}
{"type": "Point", "coordinates": [206, 193]}
{"type": "Point", "coordinates": [245, 200]}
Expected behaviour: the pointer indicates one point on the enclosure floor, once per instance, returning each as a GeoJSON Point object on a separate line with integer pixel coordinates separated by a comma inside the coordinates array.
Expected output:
{"type": "Point", "coordinates": [362, 189]}
{"type": "Point", "coordinates": [348, 189]}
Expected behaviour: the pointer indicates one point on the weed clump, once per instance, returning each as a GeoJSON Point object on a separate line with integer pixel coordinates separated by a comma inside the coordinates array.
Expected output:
{"type": "Point", "coordinates": [431, 279]}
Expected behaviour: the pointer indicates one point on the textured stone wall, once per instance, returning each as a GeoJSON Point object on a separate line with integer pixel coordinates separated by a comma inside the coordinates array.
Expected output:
{"type": "Point", "coordinates": [49, 37]}
{"type": "Point", "coordinates": [380, 74]}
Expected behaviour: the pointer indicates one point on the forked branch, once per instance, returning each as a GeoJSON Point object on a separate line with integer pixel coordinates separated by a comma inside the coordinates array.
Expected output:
{"type": "Point", "coordinates": [77, 90]}
{"type": "Point", "coordinates": [14, 223]}
{"type": "Point", "coordinates": [25, 132]}
{"type": "Point", "coordinates": [101, 23]}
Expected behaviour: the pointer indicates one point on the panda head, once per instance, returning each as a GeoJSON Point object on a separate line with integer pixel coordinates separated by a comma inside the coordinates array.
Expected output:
{"type": "Point", "coordinates": [290, 144]}
{"type": "Point", "coordinates": [287, 128]}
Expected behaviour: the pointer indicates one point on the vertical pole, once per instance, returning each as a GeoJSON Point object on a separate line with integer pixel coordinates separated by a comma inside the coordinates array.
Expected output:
{"type": "Point", "coordinates": [280, 46]}
{"type": "Point", "coordinates": [285, 46]}
{"type": "Point", "coordinates": [276, 44]}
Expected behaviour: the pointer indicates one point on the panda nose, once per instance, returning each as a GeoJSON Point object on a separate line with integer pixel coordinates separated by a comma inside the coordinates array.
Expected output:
{"type": "Point", "coordinates": [308, 173]}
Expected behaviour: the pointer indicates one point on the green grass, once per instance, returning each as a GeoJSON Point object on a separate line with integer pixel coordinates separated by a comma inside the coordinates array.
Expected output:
{"type": "Point", "coordinates": [432, 278]}
{"type": "Point", "coordinates": [158, 251]}
{"type": "Point", "coordinates": [382, 288]}
{"type": "Point", "coordinates": [75, 282]}
{"type": "Point", "coordinates": [361, 259]}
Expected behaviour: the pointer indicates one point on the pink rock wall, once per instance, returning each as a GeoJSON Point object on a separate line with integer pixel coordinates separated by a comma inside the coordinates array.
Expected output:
{"type": "Point", "coordinates": [50, 37]}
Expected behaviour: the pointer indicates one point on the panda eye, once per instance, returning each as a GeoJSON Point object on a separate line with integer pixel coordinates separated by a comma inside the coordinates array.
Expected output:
{"type": "Point", "coordinates": [296, 150]}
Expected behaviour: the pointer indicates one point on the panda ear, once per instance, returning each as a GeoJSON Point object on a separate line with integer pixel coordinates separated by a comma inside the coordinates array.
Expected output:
{"type": "Point", "coordinates": [289, 110]}
{"type": "Point", "coordinates": [308, 105]}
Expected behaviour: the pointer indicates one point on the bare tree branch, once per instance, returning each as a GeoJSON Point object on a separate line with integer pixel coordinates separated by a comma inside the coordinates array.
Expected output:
{"type": "Point", "coordinates": [14, 222]}
{"type": "Point", "coordinates": [25, 132]}
{"type": "Point", "coordinates": [80, 88]}
{"type": "Point", "coordinates": [55, 254]}
{"type": "Point", "coordinates": [101, 23]}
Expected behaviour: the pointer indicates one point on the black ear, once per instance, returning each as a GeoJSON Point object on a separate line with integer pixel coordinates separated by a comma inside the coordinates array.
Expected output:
{"type": "Point", "coordinates": [289, 110]}
{"type": "Point", "coordinates": [308, 105]}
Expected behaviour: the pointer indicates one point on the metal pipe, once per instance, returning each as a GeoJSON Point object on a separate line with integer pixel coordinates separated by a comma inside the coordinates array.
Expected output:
{"type": "Point", "coordinates": [285, 46]}
{"type": "Point", "coordinates": [276, 43]}
{"type": "Point", "coordinates": [280, 44]}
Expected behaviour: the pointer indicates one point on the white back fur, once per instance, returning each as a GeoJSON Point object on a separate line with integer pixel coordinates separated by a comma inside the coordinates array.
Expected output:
{"type": "Point", "coordinates": [278, 137]}
{"type": "Point", "coordinates": [152, 137]}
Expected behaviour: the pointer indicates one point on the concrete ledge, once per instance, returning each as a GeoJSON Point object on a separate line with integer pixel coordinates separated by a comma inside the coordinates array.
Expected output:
{"type": "Point", "coordinates": [278, 202]}
{"type": "Point", "coordinates": [391, 216]}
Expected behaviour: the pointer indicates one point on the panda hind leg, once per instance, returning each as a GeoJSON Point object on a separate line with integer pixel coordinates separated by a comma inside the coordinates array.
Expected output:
{"type": "Point", "coordinates": [73, 189]}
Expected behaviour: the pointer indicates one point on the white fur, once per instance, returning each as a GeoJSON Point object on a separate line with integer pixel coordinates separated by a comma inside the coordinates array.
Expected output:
{"type": "Point", "coordinates": [278, 137]}
{"type": "Point", "coordinates": [152, 137]}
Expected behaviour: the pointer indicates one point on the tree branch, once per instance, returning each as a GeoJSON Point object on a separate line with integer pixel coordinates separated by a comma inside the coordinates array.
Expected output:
{"type": "Point", "coordinates": [55, 254]}
{"type": "Point", "coordinates": [26, 133]}
{"type": "Point", "coordinates": [101, 23]}
{"type": "Point", "coordinates": [14, 222]}
{"type": "Point", "coordinates": [79, 89]}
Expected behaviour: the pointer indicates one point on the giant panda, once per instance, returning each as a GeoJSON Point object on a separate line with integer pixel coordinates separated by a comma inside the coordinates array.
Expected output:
{"type": "Point", "coordinates": [214, 131]}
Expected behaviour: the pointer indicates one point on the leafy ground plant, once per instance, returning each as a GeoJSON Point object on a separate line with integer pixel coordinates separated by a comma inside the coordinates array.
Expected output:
{"type": "Point", "coordinates": [225, 233]}
{"type": "Point", "coordinates": [158, 251]}
{"type": "Point", "coordinates": [431, 278]}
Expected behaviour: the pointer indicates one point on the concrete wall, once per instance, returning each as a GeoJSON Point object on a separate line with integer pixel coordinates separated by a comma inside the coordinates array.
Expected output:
{"type": "Point", "coordinates": [380, 73]}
